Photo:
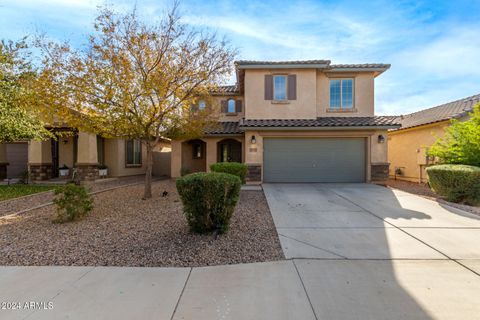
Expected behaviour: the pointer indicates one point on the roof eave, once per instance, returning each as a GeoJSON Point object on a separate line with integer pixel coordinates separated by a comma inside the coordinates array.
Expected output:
{"type": "Point", "coordinates": [382, 127]}
{"type": "Point", "coordinates": [284, 66]}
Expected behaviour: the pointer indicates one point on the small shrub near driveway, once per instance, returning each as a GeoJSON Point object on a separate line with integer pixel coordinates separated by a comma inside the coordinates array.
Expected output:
{"type": "Point", "coordinates": [235, 168]}
{"type": "Point", "coordinates": [209, 200]}
{"type": "Point", "coordinates": [72, 202]}
{"type": "Point", "coordinates": [457, 183]}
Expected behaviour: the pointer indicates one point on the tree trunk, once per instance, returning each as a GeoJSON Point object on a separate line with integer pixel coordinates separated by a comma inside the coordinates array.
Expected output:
{"type": "Point", "coordinates": [148, 174]}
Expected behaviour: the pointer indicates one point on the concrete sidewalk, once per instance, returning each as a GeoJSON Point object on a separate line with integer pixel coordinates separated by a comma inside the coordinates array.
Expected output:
{"type": "Point", "coordinates": [293, 289]}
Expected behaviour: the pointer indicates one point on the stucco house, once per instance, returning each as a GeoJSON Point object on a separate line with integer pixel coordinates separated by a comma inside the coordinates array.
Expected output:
{"type": "Point", "coordinates": [408, 145]}
{"type": "Point", "coordinates": [295, 121]}
{"type": "Point", "coordinates": [83, 153]}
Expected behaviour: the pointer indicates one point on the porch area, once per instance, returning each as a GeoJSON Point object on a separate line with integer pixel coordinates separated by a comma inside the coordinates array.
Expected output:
{"type": "Point", "coordinates": [189, 156]}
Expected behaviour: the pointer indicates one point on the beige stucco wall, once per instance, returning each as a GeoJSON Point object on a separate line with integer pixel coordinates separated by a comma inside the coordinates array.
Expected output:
{"type": "Point", "coordinates": [115, 159]}
{"type": "Point", "coordinates": [301, 108]}
{"type": "Point", "coordinates": [179, 151]}
{"type": "Point", "coordinates": [376, 152]}
{"type": "Point", "coordinates": [406, 148]}
{"type": "Point", "coordinates": [87, 148]}
{"type": "Point", "coordinates": [162, 159]}
{"type": "Point", "coordinates": [39, 152]}
{"type": "Point", "coordinates": [65, 152]}
{"type": "Point", "coordinates": [364, 94]}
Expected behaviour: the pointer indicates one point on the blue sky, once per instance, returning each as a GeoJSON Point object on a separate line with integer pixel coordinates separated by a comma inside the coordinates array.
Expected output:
{"type": "Point", "coordinates": [433, 46]}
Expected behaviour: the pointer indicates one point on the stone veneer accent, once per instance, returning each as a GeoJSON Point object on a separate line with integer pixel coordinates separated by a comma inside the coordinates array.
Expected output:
{"type": "Point", "coordinates": [3, 170]}
{"type": "Point", "coordinates": [254, 173]}
{"type": "Point", "coordinates": [40, 172]}
{"type": "Point", "coordinates": [87, 172]}
{"type": "Point", "coordinates": [379, 171]}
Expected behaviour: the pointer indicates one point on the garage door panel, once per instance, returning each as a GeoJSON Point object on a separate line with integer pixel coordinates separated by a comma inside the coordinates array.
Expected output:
{"type": "Point", "coordinates": [314, 160]}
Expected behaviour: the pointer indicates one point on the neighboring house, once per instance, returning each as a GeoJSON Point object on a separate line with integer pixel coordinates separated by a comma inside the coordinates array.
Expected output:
{"type": "Point", "coordinates": [408, 145]}
{"type": "Point", "coordinates": [295, 121]}
{"type": "Point", "coordinates": [85, 152]}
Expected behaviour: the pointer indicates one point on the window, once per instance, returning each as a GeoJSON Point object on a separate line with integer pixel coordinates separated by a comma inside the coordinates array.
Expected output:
{"type": "Point", "coordinates": [134, 153]}
{"type": "Point", "coordinates": [197, 152]}
{"type": "Point", "coordinates": [231, 106]}
{"type": "Point", "coordinates": [341, 94]}
{"type": "Point", "coordinates": [201, 105]}
{"type": "Point", "coordinates": [279, 87]}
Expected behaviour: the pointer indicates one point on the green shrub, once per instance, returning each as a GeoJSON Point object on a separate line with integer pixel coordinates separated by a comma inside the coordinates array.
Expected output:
{"type": "Point", "coordinates": [72, 201]}
{"type": "Point", "coordinates": [456, 183]}
{"type": "Point", "coordinates": [209, 200]}
{"type": "Point", "coordinates": [235, 168]}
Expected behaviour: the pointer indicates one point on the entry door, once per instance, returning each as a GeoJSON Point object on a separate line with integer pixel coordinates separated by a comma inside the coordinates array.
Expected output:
{"type": "Point", "coordinates": [230, 151]}
{"type": "Point", "coordinates": [314, 160]}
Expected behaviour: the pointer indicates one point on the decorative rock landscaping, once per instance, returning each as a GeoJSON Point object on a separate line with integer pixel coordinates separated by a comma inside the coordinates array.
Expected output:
{"type": "Point", "coordinates": [124, 230]}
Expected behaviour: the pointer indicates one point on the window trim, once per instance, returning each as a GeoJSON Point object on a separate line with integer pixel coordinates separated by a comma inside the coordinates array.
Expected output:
{"type": "Point", "coordinates": [234, 107]}
{"type": "Point", "coordinates": [286, 88]}
{"type": "Point", "coordinates": [136, 165]}
{"type": "Point", "coordinates": [341, 108]}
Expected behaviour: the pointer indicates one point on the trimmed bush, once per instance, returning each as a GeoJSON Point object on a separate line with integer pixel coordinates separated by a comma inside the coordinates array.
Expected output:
{"type": "Point", "coordinates": [209, 200]}
{"type": "Point", "coordinates": [456, 183]}
{"type": "Point", "coordinates": [235, 168]}
{"type": "Point", "coordinates": [72, 202]}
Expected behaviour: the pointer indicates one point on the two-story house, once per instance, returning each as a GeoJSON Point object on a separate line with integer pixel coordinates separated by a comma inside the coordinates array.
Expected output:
{"type": "Point", "coordinates": [295, 121]}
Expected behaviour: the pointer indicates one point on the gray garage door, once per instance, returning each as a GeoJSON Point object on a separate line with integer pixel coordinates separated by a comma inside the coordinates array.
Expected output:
{"type": "Point", "coordinates": [17, 157]}
{"type": "Point", "coordinates": [314, 159]}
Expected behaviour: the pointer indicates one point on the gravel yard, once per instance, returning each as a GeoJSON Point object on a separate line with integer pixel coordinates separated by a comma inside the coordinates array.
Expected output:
{"type": "Point", "coordinates": [425, 191]}
{"type": "Point", "coordinates": [124, 230]}
{"type": "Point", "coordinates": [16, 205]}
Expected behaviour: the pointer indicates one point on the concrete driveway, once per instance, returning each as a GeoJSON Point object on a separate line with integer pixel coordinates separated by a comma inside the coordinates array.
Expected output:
{"type": "Point", "coordinates": [380, 253]}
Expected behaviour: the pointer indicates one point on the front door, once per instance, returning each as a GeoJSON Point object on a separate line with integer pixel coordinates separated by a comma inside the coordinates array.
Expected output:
{"type": "Point", "coordinates": [230, 151]}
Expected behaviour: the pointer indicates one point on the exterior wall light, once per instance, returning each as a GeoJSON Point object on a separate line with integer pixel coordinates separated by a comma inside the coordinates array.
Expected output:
{"type": "Point", "coordinates": [381, 138]}
{"type": "Point", "coordinates": [253, 140]}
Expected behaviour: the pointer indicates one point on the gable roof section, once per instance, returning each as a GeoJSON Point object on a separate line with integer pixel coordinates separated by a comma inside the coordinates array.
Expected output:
{"type": "Point", "coordinates": [324, 122]}
{"type": "Point", "coordinates": [447, 111]}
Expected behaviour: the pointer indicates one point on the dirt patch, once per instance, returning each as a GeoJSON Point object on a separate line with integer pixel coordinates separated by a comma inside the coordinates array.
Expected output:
{"type": "Point", "coordinates": [124, 230]}
{"type": "Point", "coordinates": [424, 191]}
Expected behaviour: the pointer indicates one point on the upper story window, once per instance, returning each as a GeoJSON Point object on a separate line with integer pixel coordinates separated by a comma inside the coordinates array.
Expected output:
{"type": "Point", "coordinates": [341, 94]}
{"type": "Point", "coordinates": [231, 106]}
{"type": "Point", "coordinates": [280, 87]}
{"type": "Point", "coordinates": [133, 152]}
{"type": "Point", "coordinates": [201, 105]}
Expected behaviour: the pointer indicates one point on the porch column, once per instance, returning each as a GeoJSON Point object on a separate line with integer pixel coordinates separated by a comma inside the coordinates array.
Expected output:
{"type": "Point", "coordinates": [87, 158]}
{"type": "Point", "coordinates": [211, 152]}
{"type": "Point", "coordinates": [40, 165]}
{"type": "Point", "coordinates": [3, 161]}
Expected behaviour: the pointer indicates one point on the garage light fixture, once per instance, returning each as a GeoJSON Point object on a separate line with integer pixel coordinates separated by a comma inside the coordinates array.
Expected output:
{"type": "Point", "coordinates": [253, 140]}
{"type": "Point", "coordinates": [381, 138]}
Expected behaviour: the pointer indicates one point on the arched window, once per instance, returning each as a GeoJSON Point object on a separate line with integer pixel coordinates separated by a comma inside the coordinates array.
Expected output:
{"type": "Point", "coordinates": [231, 106]}
{"type": "Point", "coordinates": [201, 105]}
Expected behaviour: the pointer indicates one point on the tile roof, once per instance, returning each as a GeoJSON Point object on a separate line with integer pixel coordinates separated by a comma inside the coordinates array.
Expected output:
{"type": "Point", "coordinates": [375, 121]}
{"type": "Point", "coordinates": [229, 89]}
{"type": "Point", "coordinates": [450, 110]}
{"type": "Point", "coordinates": [257, 62]}
{"type": "Point", "coordinates": [224, 127]}
{"type": "Point", "coordinates": [360, 66]}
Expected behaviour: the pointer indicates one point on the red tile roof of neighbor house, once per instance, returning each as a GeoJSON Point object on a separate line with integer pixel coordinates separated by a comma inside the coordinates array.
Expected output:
{"type": "Point", "coordinates": [447, 111]}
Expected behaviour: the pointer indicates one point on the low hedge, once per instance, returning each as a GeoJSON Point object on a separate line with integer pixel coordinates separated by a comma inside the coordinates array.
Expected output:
{"type": "Point", "coordinates": [209, 200]}
{"type": "Point", "coordinates": [235, 168]}
{"type": "Point", "coordinates": [455, 182]}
